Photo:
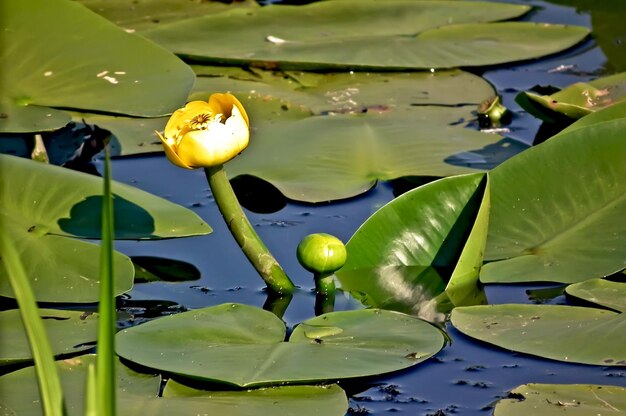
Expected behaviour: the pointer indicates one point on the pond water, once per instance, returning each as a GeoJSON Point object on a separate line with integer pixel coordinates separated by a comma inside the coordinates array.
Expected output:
{"type": "Point", "coordinates": [467, 376]}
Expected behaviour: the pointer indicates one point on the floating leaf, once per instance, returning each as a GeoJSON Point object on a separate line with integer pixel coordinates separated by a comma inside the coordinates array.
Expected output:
{"type": "Point", "coordinates": [562, 399]}
{"type": "Point", "coordinates": [396, 35]}
{"type": "Point", "coordinates": [61, 269]}
{"type": "Point", "coordinates": [405, 254]}
{"type": "Point", "coordinates": [606, 114]}
{"type": "Point", "coordinates": [45, 205]}
{"type": "Point", "coordinates": [85, 62]}
{"type": "Point", "coordinates": [138, 394]}
{"type": "Point", "coordinates": [557, 209]}
{"type": "Point", "coordinates": [602, 292]}
{"type": "Point", "coordinates": [328, 158]}
{"type": "Point", "coordinates": [577, 100]}
{"type": "Point", "coordinates": [210, 343]}
{"type": "Point", "coordinates": [144, 14]}
{"type": "Point", "coordinates": [557, 332]}
{"type": "Point", "coordinates": [69, 332]}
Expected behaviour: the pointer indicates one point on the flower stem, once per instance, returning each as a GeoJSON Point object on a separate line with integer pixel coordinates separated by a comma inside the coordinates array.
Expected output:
{"type": "Point", "coordinates": [249, 241]}
{"type": "Point", "coordinates": [324, 282]}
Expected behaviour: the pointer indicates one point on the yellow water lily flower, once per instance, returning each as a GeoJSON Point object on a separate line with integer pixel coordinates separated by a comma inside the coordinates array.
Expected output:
{"type": "Point", "coordinates": [205, 134]}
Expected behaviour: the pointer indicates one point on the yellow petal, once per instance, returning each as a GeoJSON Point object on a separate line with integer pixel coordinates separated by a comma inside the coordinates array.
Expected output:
{"type": "Point", "coordinates": [170, 152]}
{"type": "Point", "coordinates": [214, 146]}
{"type": "Point", "coordinates": [181, 117]}
{"type": "Point", "coordinates": [224, 103]}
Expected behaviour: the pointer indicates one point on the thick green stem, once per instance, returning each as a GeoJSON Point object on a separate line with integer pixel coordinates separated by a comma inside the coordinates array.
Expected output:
{"type": "Point", "coordinates": [324, 282]}
{"type": "Point", "coordinates": [249, 241]}
{"type": "Point", "coordinates": [324, 293]}
{"type": "Point", "coordinates": [277, 303]}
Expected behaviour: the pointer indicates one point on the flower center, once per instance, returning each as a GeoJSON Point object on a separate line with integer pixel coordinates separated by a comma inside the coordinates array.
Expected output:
{"type": "Point", "coordinates": [202, 121]}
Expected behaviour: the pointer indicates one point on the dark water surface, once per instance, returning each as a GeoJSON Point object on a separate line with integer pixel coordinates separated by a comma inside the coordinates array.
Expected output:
{"type": "Point", "coordinates": [464, 378]}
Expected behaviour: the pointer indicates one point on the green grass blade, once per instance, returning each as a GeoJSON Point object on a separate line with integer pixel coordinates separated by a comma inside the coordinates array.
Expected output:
{"type": "Point", "coordinates": [105, 365]}
{"type": "Point", "coordinates": [48, 378]}
{"type": "Point", "coordinates": [91, 394]}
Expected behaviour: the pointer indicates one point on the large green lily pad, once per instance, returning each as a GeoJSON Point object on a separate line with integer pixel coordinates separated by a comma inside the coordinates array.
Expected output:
{"type": "Point", "coordinates": [138, 394]}
{"type": "Point", "coordinates": [405, 254]}
{"type": "Point", "coordinates": [557, 332]}
{"type": "Point", "coordinates": [367, 34]}
{"type": "Point", "coordinates": [209, 344]}
{"type": "Point", "coordinates": [576, 100]}
{"type": "Point", "coordinates": [272, 98]}
{"type": "Point", "coordinates": [69, 332]}
{"type": "Point", "coordinates": [602, 292]}
{"type": "Point", "coordinates": [562, 399]}
{"type": "Point", "coordinates": [144, 14]}
{"type": "Point", "coordinates": [557, 210]}
{"type": "Point", "coordinates": [43, 207]}
{"type": "Point", "coordinates": [328, 158]}
{"type": "Point", "coordinates": [66, 56]}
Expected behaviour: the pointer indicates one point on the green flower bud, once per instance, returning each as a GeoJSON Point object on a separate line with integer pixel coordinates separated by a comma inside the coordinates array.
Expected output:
{"type": "Point", "coordinates": [321, 254]}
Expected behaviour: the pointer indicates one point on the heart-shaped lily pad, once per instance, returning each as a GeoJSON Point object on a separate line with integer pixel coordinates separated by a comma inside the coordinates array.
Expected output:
{"type": "Point", "coordinates": [557, 332]}
{"type": "Point", "coordinates": [245, 346]}
{"type": "Point", "coordinates": [393, 34]}
{"type": "Point", "coordinates": [138, 394]}
{"type": "Point", "coordinates": [69, 332]}
{"type": "Point", "coordinates": [43, 206]}
{"type": "Point", "coordinates": [557, 209]}
{"type": "Point", "coordinates": [406, 254]}
{"type": "Point", "coordinates": [85, 62]}
{"type": "Point", "coordinates": [562, 399]}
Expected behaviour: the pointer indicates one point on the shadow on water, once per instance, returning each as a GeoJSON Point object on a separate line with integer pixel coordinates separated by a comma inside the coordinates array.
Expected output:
{"type": "Point", "coordinates": [130, 219]}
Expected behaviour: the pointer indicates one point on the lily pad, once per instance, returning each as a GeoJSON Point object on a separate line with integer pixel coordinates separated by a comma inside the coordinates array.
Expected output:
{"type": "Point", "coordinates": [209, 344]}
{"type": "Point", "coordinates": [69, 332]}
{"type": "Point", "coordinates": [357, 91]}
{"type": "Point", "coordinates": [557, 209]}
{"type": "Point", "coordinates": [613, 112]}
{"type": "Point", "coordinates": [577, 100]}
{"type": "Point", "coordinates": [327, 158]}
{"type": "Point", "coordinates": [394, 34]}
{"type": "Point", "coordinates": [557, 332]}
{"type": "Point", "coordinates": [42, 206]}
{"type": "Point", "coordinates": [138, 394]}
{"type": "Point", "coordinates": [144, 14]}
{"type": "Point", "coordinates": [562, 399]}
{"type": "Point", "coordinates": [404, 256]}
{"type": "Point", "coordinates": [284, 400]}
{"type": "Point", "coordinates": [85, 63]}
{"type": "Point", "coordinates": [602, 292]}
